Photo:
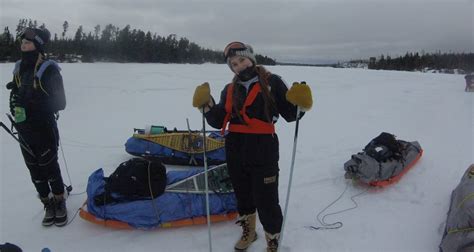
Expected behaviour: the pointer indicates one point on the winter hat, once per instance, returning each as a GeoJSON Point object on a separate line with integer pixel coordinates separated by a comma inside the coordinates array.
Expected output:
{"type": "Point", "coordinates": [238, 49]}
{"type": "Point", "coordinates": [39, 36]}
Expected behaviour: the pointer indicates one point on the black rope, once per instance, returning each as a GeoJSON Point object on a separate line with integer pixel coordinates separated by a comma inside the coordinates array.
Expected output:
{"type": "Point", "coordinates": [74, 194]}
{"type": "Point", "coordinates": [151, 194]}
{"type": "Point", "coordinates": [74, 216]}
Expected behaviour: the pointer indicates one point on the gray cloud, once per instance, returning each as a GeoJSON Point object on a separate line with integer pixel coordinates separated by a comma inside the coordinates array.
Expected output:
{"type": "Point", "coordinates": [288, 31]}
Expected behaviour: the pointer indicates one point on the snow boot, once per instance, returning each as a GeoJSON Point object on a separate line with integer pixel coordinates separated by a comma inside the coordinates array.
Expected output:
{"type": "Point", "coordinates": [247, 222]}
{"type": "Point", "coordinates": [60, 218]}
{"type": "Point", "coordinates": [272, 241]}
{"type": "Point", "coordinates": [49, 211]}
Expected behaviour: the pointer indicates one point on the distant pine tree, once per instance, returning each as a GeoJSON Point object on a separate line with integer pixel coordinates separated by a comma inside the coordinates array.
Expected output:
{"type": "Point", "coordinates": [414, 62]}
{"type": "Point", "coordinates": [118, 45]}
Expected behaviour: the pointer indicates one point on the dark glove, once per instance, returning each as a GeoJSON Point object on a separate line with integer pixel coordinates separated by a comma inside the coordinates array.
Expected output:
{"type": "Point", "coordinates": [11, 85]}
{"type": "Point", "coordinates": [17, 107]}
{"type": "Point", "coordinates": [13, 101]}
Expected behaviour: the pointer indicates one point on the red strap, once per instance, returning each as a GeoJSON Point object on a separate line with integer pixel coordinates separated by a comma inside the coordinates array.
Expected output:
{"type": "Point", "coordinates": [228, 107]}
{"type": "Point", "coordinates": [254, 125]}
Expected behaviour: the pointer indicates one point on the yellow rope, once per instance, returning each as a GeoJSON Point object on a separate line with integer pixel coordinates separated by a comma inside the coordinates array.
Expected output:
{"type": "Point", "coordinates": [17, 79]}
{"type": "Point", "coordinates": [457, 230]}
{"type": "Point", "coordinates": [469, 196]}
{"type": "Point", "coordinates": [41, 86]}
{"type": "Point", "coordinates": [38, 61]}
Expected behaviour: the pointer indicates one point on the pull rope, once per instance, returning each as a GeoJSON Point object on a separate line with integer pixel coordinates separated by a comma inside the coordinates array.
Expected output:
{"type": "Point", "coordinates": [151, 194]}
{"type": "Point", "coordinates": [68, 188]}
{"type": "Point", "coordinates": [336, 225]}
{"type": "Point", "coordinates": [65, 166]}
{"type": "Point", "coordinates": [74, 216]}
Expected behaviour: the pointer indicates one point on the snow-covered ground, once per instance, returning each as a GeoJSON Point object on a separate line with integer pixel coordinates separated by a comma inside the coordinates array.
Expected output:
{"type": "Point", "coordinates": [352, 106]}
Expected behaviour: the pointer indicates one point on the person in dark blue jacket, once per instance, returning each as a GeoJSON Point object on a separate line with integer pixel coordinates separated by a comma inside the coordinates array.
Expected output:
{"type": "Point", "coordinates": [249, 107]}
{"type": "Point", "coordinates": [37, 94]}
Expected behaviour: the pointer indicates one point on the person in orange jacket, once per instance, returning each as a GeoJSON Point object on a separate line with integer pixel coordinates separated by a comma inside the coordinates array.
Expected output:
{"type": "Point", "coordinates": [250, 106]}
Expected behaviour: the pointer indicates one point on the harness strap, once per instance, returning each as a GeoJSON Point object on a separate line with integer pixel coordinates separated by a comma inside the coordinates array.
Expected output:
{"type": "Point", "coordinates": [253, 125]}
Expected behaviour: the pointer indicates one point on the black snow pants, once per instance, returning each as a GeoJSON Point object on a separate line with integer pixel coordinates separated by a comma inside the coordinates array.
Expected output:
{"type": "Point", "coordinates": [42, 138]}
{"type": "Point", "coordinates": [252, 160]}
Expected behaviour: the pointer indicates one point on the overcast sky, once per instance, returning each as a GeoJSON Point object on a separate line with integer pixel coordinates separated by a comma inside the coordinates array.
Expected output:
{"type": "Point", "coordinates": [287, 30]}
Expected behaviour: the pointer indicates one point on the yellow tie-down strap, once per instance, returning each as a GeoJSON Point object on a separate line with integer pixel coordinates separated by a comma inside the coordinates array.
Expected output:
{"type": "Point", "coordinates": [185, 142]}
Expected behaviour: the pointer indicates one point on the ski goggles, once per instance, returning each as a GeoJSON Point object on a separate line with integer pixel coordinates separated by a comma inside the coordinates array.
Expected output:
{"type": "Point", "coordinates": [30, 34]}
{"type": "Point", "coordinates": [233, 47]}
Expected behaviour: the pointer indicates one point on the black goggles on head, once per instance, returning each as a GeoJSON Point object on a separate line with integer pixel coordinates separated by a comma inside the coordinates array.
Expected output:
{"type": "Point", "coordinates": [233, 47]}
{"type": "Point", "coordinates": [30, 34]}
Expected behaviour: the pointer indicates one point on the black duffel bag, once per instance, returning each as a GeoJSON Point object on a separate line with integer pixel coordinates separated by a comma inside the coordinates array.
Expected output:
{"type": "Point", "coordinates": [135, 179]}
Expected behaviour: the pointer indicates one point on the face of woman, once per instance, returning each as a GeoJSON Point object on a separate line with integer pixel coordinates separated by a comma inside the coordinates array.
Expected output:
{"type": "Point", "coordinates": [27, 46]}
{"type": "Point", "coordinates": [239, 63]}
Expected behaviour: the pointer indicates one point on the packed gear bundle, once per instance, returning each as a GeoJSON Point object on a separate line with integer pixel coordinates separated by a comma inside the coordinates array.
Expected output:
{"type": "Point", "coordinates": [177, 147]}
{"type": "Point", "coordinates": [142, 194]}
{"type": "Point", "coordinates": [459, 232]}
{"type": "Point", "coordinates": [383, 161]}
{"type": "Point", "coordinates": [134, 179]}
{"type": "Point", "coordinates": [181, 204]}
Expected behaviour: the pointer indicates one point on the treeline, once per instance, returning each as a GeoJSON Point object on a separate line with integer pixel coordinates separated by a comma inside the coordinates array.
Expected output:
{"type": "Point", "coordinates": [425, 61]}
{"type": "Point", "coordinates": [112, 44]}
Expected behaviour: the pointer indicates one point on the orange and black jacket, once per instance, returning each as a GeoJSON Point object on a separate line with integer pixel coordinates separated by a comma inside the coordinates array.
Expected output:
{"type": "Point", "coordinates": [252, 112]}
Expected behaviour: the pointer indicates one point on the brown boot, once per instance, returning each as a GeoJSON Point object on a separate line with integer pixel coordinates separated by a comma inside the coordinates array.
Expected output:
{"type": "Point", "coordinates": [272, 241]}
{"type": "Point", "coordinates": [248, 231]}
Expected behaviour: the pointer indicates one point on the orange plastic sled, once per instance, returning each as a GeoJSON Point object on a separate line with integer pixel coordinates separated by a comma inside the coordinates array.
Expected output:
{"type": "Point", "coordinates": [394, 179]}
{"type": "Point", "coordinates": [86, 215]}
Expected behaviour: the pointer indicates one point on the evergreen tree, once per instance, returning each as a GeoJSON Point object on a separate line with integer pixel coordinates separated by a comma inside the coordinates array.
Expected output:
{"type": "Point", "coordinates": [65, 27]}
{"type": "Point", "coordinates": [114, 44]}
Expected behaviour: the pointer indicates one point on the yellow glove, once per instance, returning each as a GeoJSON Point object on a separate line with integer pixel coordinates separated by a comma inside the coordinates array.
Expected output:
{"type": "Point", "coordinates": [202, 95]}
{"type": "Point", "coordinates": [300, 95]}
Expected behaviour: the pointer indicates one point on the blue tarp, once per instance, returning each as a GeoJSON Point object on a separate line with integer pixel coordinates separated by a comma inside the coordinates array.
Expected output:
{"type": "Point", "coordinates": [169, 206]}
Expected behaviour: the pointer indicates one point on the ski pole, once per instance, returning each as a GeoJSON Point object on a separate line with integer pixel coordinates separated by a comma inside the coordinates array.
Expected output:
{"type": "Point", "coordinates": [292, 166]}
{"type": "Point", "coordinates": [22, 145]}
{"type": "Point", "coordinates": [206, 180]}
{"type": "Point", "coordinates": [19, 139]}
